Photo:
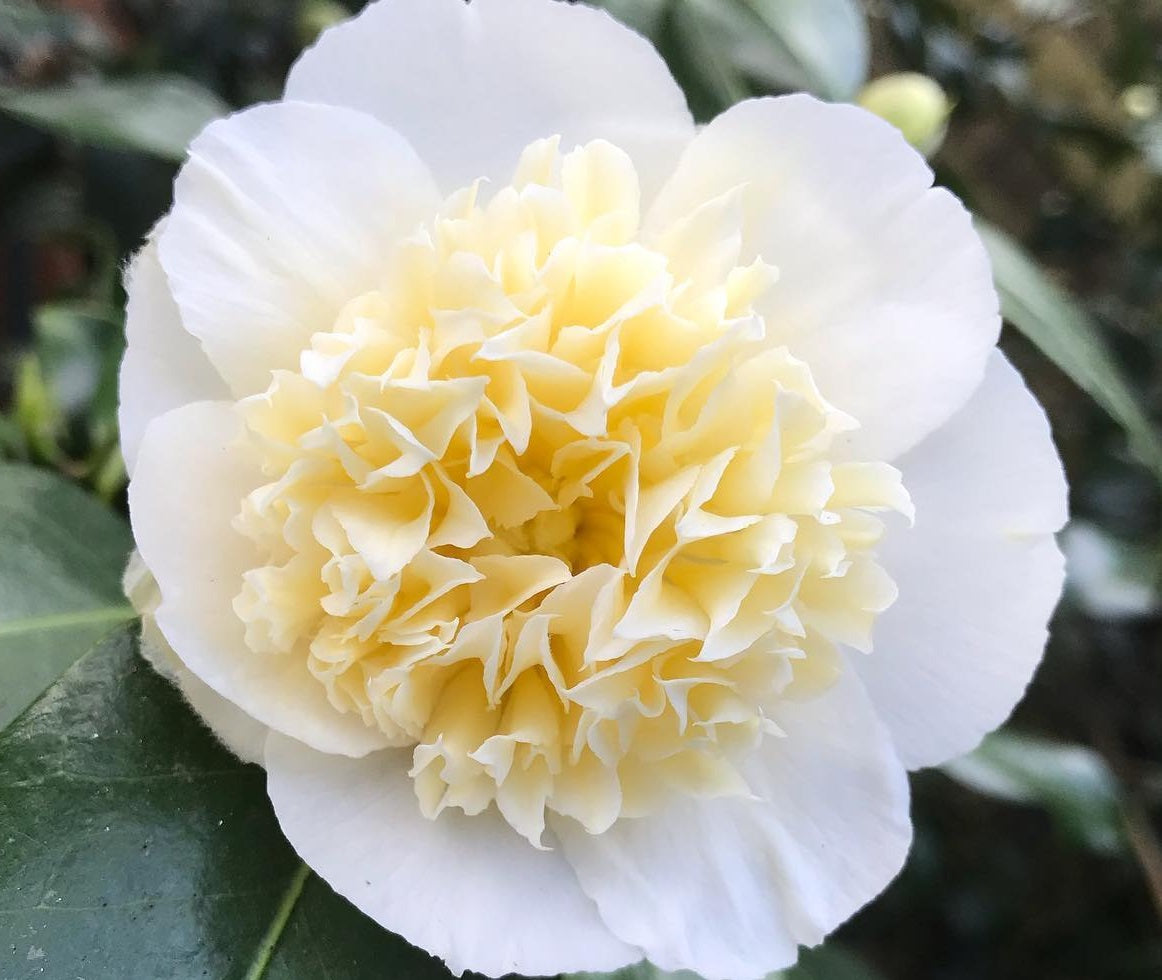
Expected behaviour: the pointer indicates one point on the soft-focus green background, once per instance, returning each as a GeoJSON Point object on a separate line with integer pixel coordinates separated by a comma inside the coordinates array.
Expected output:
{"type": "Point", "coordinates": [1038, 857]}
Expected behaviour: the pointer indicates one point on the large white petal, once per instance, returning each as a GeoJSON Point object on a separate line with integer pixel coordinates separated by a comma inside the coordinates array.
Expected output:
{"type": "Point", "coordinates": [467, 889]}
{"type": "Point", "coordinates": [164, 365]}
{"type": "Point", "coordinates": [979, 575]}
{"type": "Point", "coordinates": [235, 729]}
{"type": "Point", "coordinates": [189, 484]}
{"type": "Point", "coordinates": [729, 888]}
{"type": "Point", "coordinates": [884, 288]}
{"type": "Point", "coordinates": [283, 214]}
{"type": "Point", "coordinates": [471, 84]}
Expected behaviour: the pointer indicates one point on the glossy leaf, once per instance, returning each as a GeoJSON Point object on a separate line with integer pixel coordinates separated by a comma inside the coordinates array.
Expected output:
{"type": "Point", "coordinates": [135, 846]}
{"type": "Point", "coordinates": [1111, 577]}
{"type": "Point", "coordinates": [61, 557]}
{"type": "Point", "coordinates": [698, 42]}
{"type": "Point", "coordinates": [1069, 337]}
{"type": "Point", "coordinates": [66, 382]}
{"type": "Point", "coordinates": [828, 962]}
{"type": "Point", "coordinates": [644, 16]}
{"type": "Point", "coordinates": [152, 114]}
{"type": "Point", "coordinates": [27, 23]}
{"type": "Point", "coordinates": [80, 348]}
{"type": "Point", "coordinates": [818, 46]}
{"type": "Point", "coordinates": [1071, 781]}
{"type": "Point", "coordinates": [639, 971]}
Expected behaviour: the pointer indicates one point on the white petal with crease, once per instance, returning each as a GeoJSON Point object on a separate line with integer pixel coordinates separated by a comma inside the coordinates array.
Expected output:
{"type": "Point", "coordinates": [884, 288]}
{"type": "Point", "coordinates": [979, 575]}
{"type": "Point", "coordinates": [189, 482]}
{"type": "Point", "coordinates": [235, 729]}
{"type": "Point", "coordinates": [730, 888]}
{"type": "Point", "coordinates": [471, 84]}
{"type": "Point", "coordinates": [467, 889]}
{"type": "Point", "coordinates": [164, 365]}
{"type": "Point", "coordinates": [282, 214]}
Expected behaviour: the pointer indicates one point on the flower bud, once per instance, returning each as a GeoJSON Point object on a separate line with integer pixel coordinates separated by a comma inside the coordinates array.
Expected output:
{"type": "Point", "coordinates": [315, 16]}
{"type": "Point", "coordinates": [1141, 102]}
{"type": "Point", "coordinates": [915, 104]}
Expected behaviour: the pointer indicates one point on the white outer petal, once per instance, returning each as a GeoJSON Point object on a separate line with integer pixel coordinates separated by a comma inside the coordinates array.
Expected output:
{"type": "Point", "coordinates": [471, 84]}
{"type": "Point", "coordinates": [164, 365]}
{"type": "Point", "coordinates": [232, 726]}
{"type": "Point", "coordinates": [730, 888]}
{"type": "Point", "coordinates": [979, 575]}
{"type": "Point", "coordinates": [189, 484]}
{"type": "Point", "coordinates": [235, 729]}
{"type": "Point", "coordinates": [884, 288]}
{"type": "Point", "coordinates": [282, 215]}
{"type": "Point", "coordinates": [469, 890]}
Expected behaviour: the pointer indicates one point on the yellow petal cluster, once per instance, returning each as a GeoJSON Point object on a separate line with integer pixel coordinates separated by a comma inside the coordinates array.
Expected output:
{"type": "Point", "coordinates": [554, 507]}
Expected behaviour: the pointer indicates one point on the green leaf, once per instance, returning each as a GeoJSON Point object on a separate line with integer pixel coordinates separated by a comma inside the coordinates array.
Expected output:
{"type": "Point", "coordinates": [153, 114]}
{"type": "Point", "coordinates": [65, 394]}
{"type": "Point", "coordinates": [828, 962]}
{"type": "Point", "coordinates": [13, 444]}
{"type": "Point", "coordinates": [644, 16]}
{"type": "Point", "coordinates": [61, 558]}
{"type": "Point", "coordinates": [78, 347]}
{"type": "Point", "coordinates": [698, 42]}
{"type": "Point", "coordinates": [23, 22]}
{"type": "Point", "coordinates": [135, 846]}
{"type": "Point", "coordinates": [819, 46]}
{"type": "Point", "coordinates": [34, 410]}
{"type": "Point", "coordinates": [1072, 782]}
{"type": "Point", "coordinates": [1111, 577]}
{"type": "Point", "coordinates": [1069, 337]}
{"type": "Point", "coordinates": [639, 971]}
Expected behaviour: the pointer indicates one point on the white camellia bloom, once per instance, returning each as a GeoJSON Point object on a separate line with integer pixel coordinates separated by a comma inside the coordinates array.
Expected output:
{"type": "Point", "coordinates": [584, 518]}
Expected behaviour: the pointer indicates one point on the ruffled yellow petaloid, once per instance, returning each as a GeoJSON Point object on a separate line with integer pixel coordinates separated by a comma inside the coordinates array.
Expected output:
{"type": "Point", "coordinates": [554, 507]}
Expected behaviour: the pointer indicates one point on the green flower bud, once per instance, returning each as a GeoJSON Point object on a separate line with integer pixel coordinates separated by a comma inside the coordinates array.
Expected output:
{"type": "Point", "coordinates": [315, 16]}
{"type": "Point", "coordinates": [1141, 102]}
{"type": "Point", "coordinates": [915, 104]}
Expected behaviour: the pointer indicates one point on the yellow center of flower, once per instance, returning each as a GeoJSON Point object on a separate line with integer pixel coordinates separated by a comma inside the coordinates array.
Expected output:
{"type": "Point", "coordinates": [554, 506]}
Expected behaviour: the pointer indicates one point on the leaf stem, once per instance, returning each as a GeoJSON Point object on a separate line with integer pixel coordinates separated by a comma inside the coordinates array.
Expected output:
{"type": "Point", "coordinates": [281, 916]}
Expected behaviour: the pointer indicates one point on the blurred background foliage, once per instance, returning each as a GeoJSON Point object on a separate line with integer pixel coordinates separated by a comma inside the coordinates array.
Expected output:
{"type": "Point", "coordinates": [1039, 855]}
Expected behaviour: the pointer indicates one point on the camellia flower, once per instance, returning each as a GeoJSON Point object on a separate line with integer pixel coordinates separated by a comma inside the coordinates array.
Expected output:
{"type": "Point", "coordinates": [525, 475]}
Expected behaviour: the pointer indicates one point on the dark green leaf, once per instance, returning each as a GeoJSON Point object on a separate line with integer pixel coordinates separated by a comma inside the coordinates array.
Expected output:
{"type": "Point", "coordinates": [24, 23]}
{"type": "Point", "coordinates": [29, 25]}
{"type": "Point", "coordinates": [830, 962]}
{"type": "Point", "coordinates": [35, 411]}
{"type": "Point", "coordinates": [61, 558]}
{"type": "Point", "coordinates": [1149, 139]}
{"type": "Point", "coordinates": [135, 846]}
{"type": "Point", "coordinates": [644, 16]}
{"type": "Point", "coordinates": [698, 43]}
{"type": "Point", "coordinates": [79, 348]}
{"type": "Point", "coordinates": [1069, 337]}
{"type": "Point", "coordinates": [1072, 782]}
{"type": "Point", "coordinates": [1111, 577]}
{"type": "Point", "coordinates": [819, 46]}
{"type": "Point", "coordinates": [65, 396]}
{"type": "Point", "coordinates": [639, 971]}
{"type": "Point", "coordinates": [13, 444]}
{"type": "Point", "coordinates": [822, 963]}
{"type": "Point", "coordinates": [153, 114]}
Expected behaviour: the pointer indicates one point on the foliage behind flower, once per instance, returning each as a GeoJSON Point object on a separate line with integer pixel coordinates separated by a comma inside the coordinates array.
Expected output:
{"type": "Point", "coordinates": [568, 491]}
